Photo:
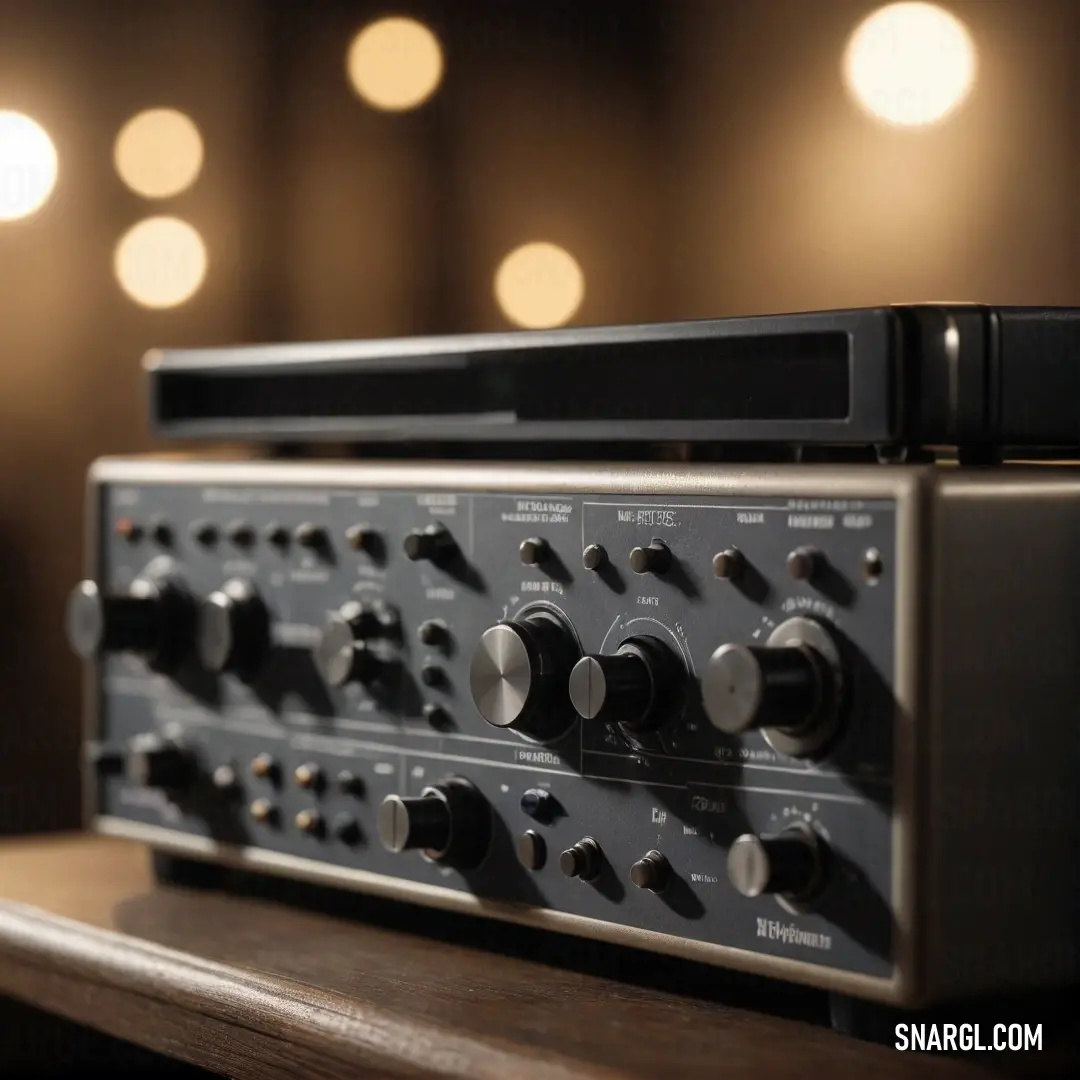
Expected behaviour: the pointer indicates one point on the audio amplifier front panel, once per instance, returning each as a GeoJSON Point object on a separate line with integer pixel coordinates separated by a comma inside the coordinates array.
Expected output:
{"type": "Point", "coordinates": [670, 713]}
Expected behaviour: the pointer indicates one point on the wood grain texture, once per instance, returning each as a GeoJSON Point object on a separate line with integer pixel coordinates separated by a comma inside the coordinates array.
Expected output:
{"type": "Point", "coordinates": [250, 988]}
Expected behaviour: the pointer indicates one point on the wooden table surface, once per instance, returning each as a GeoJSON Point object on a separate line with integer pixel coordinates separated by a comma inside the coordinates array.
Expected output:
{"type": "Point", "coordinates": [252, 988]}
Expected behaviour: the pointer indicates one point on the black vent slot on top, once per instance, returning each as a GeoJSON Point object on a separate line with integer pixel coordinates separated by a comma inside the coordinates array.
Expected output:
{"type": "Point", "coordinates": [782, 377]}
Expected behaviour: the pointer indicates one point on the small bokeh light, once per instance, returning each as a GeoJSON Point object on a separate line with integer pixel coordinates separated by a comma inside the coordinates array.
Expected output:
{"type": "Point", "coordinates": [910, 64]}
{"type": "Point", "coordinates": [539, 285]}
{"type": "Point", "coordinates": [159, 153]}
{"type": "Point", "coordinates": [395, 64]}
{"type": "Point", "coordinates": [160, 262]}
{"type": "Point", "coordinates": [28, 166]}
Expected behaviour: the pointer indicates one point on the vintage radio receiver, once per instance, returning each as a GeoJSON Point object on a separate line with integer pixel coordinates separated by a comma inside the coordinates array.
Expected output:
{"type": "Point", "coordinates": [814, 722]}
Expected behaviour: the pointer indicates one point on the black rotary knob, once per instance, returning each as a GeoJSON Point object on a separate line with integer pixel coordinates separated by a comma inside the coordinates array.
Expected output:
{"type": "Point", "coordinates": [631, 687]}
{"type": "Point", "coordinates": [790, 688]}
{"type": "Point", "coordinates": [520, 672]}
{"type": "Point", "coordinates": [788, 863]}
{"type": "Point", "coordinates": [433, 543]}
{"type": "Point", "coordinates": [234, 629]}
{"type": "Point", "coordinates": [450, 822]}
{"type": "Point", "coordinates": [153, 620]}
{"type": "Point", "coordinates": [342, 654]}
{"type": "Point", "coordinates": [156, 762]}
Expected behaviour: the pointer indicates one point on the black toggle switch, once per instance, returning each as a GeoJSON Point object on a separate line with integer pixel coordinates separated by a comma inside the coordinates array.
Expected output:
{"type": "Point", "coordinates": [432, 675]}
{"type": "Point", "coordinates": [804, 563]}
{"type": "Point", "coordinates": [534, 551]}
{"type": "Point", "coordinates": [437, 716]}
{"type": "Point", "coordinates": [531, 850]}
{"type": "Point", "coordinates": [584, 860]}
{"type": "Point", "coordinates": [654, 559]}
{"type": "Point", "coordinates": [204, 532]}
{"type": "Point", "coordinates": [314, 537]}
{"type": "Point", "coordinates": [240, 533]}
{"type": "Point", "coordinates": [652, 871]}
{"type": "Point", "coordinates": [729, 564]}
{"type": "Point", "coordinates": [540, 805]}
{"type": "Point", "coordinates": [433, 633]}
{"type": "Point", "coordinates": [161, 532]}
{"type": "Point", "coordinates": [433, 543]}
{"type": "Point", "coordinates": [346, 828]}
{"type": "Point", "coordinates": [593, 557]}
{"type": "Point", "coordinates": [362, 538]}
{"type": "Point", "coordinates": [276, 534]}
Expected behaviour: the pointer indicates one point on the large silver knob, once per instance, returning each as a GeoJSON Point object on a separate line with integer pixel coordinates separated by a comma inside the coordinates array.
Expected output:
{"type": "Point", "coordinates": [789, 689]}
{"type": "Point", "coordinates": [520, 674]}
{"type": "Point", "coordinates": [790, 864]}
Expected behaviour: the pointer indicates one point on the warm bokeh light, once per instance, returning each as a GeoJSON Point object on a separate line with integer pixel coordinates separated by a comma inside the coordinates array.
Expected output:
{"type": "Point", "coordinates": [539, 285]}
{"type": "Point", "coordinates": [395, 64]}
{"type": "Point", "coordinates": [27, 166]}
{"type": "Point", "coordinates": [160, 262]}
{"type": "Point", "coordinates": [158, 153]}
{"type": "Point", "coordinates": [910, 64]}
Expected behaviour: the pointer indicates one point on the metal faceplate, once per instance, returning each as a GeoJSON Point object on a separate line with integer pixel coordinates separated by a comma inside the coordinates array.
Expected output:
{"type": "Point", "coordinates": [686, 790]}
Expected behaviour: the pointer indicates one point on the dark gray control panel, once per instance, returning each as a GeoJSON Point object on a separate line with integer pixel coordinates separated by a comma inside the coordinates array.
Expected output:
{"type": "Point", "coordinates": [645, 703]}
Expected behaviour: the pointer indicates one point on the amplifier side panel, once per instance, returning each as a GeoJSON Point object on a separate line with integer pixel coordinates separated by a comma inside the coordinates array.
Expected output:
{"type": "Point", "coordinates": [1002, 801]}
{"type": "Point", "coordinates": [684, 789]}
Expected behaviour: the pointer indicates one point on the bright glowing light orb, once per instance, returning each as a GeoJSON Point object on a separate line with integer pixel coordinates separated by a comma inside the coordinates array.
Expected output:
{"type": "Point", "coordinates": [910, 64]}
{"type": "Point", "coordinates": [28, 166]}
{"type": "Point", "coordinates": [160, 262]}
{"type": "Point", "coordinates": [395, 64]}
{"type": "Point", "coordinates": [158, 153]}
{"type": "Point", "coordinates": [539, 285]}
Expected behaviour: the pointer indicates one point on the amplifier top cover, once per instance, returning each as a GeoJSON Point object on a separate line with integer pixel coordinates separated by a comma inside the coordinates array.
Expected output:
{"type": "Point", "coordinates": [953, 375]}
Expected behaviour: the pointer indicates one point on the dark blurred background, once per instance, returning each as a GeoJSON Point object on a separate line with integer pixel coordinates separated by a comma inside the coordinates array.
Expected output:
{"type": "Point", "coordinates": [325, 173]}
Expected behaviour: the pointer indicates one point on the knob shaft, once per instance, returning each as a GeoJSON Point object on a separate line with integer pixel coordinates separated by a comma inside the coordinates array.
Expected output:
{"type": "Point", "coordinates": [155, 762]}
{"type": "Point", "coordinates": [630, 687]}
{"type": "Point", "coordinates": [789, 863]}
{"type": "Point", "coordinates": [234, 629]}
{"type": "Point", "coordinates": [433, 543]}
{"type": "Point", "coordinates": [748, 687]}
{"type": "Point", "coordinates": [609, 688]}
{"type": "Point", "coordinates": [520, 673]}
{"type": "Point", "coordinates": [152, 620]}
{"type": "Point", "coordinates": [449, 822]}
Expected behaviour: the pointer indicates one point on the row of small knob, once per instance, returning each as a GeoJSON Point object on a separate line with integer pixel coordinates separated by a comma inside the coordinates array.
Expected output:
{"type": "Point", "coordinates": [789, 863]}
{"type": "Point", "coordinates": [451, 823]}
{"type": "Point", "coordinates": [435, 543]}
